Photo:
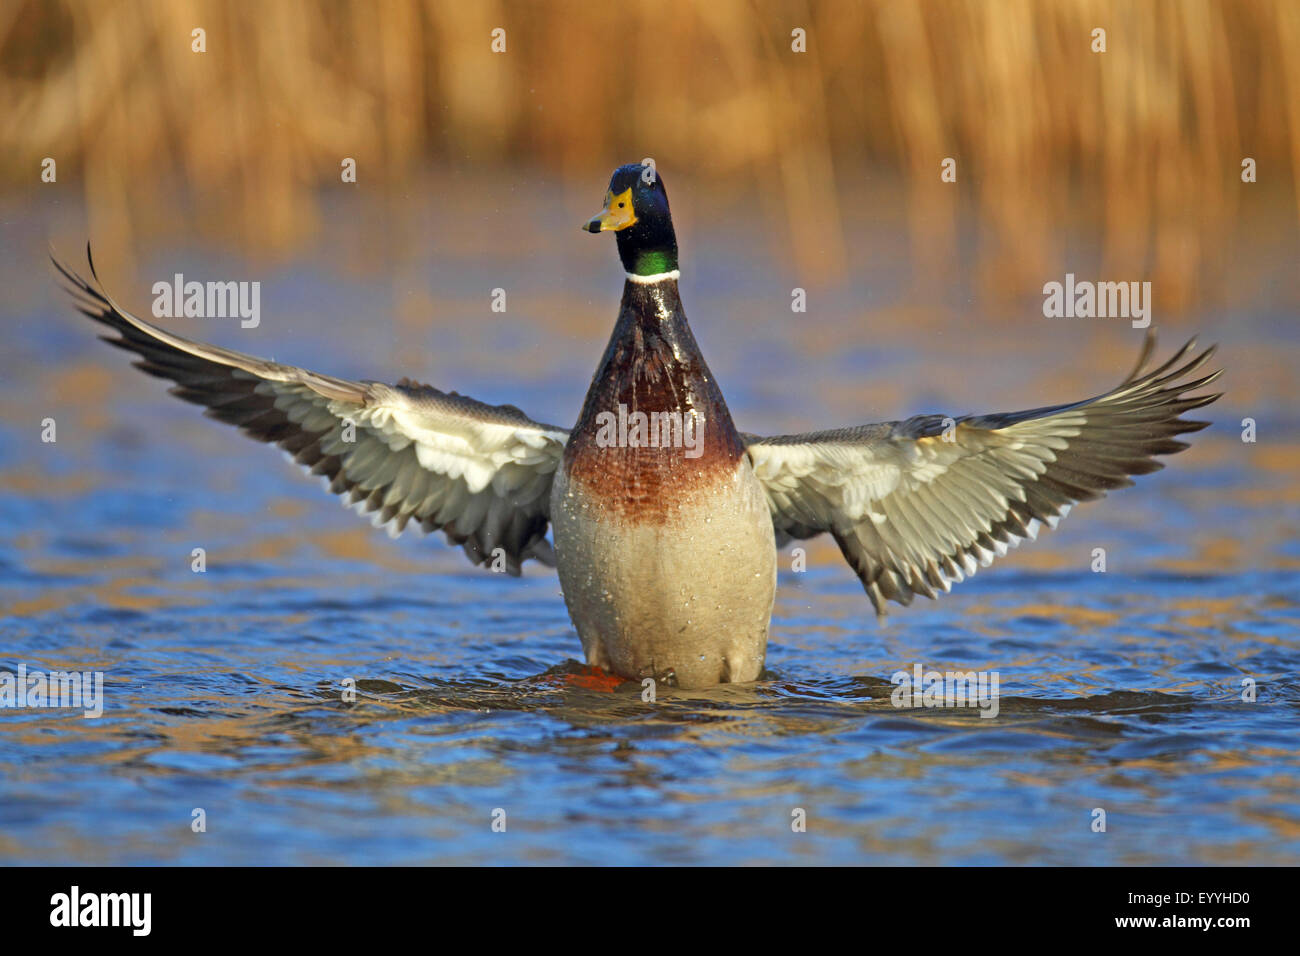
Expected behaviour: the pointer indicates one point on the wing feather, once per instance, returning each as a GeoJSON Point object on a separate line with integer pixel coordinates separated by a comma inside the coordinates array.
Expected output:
{"type": "Point", "coordinates": [407, 452]}
{"type": "Point", "coordinates": [919, 505]}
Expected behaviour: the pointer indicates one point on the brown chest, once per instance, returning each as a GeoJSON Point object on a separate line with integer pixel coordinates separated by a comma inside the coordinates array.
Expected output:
{"type": "Point", "coordinates": [655, 429]}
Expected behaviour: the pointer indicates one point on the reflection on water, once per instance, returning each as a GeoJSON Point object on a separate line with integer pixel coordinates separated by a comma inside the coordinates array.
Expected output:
{"type": "Point", "coordinates": [224, 689]}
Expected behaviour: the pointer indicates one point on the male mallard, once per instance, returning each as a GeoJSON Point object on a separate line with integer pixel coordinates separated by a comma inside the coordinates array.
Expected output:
{"type": "Point", "coordinates": [666, 517]}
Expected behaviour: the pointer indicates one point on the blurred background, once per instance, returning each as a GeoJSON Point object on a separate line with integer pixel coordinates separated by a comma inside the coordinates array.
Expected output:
{"type": "Point", "coordinates": [1138, 149]}
{"type": "Point", "coordinates": [816, 170]}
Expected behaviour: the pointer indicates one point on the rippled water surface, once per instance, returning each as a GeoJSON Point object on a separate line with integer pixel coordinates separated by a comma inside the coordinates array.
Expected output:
{"type": "Point", "coordinates": [1120, 690]}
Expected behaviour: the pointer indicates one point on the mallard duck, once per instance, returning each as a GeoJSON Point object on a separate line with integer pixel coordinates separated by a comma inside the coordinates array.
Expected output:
{"type": "Point", "coordinates": [666, 518]}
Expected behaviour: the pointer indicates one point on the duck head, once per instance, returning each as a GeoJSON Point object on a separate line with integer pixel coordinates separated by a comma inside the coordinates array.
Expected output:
{"type": "Point", "coordinates": [636, 211]}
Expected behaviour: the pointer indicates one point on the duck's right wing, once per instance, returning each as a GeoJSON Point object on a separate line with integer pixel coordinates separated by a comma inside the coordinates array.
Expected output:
{"type": "Point", "coordinates": [480, 473]}
{"type": "Point", "coordinates": [918, 505]}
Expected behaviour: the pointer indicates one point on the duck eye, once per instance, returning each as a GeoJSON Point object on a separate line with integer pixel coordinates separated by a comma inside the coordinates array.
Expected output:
{"type": "Point", "coordinates": [621, 205]}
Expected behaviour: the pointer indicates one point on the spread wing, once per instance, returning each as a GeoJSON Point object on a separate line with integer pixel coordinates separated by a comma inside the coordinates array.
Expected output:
{"type": "Point", "coordinates": [920, 504]}
{"type": "Point", "coordinates": [406, 452]}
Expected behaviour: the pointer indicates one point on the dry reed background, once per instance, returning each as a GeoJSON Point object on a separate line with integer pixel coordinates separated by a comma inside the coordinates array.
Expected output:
{"type": "Point", "coordinates": [1141, 145]}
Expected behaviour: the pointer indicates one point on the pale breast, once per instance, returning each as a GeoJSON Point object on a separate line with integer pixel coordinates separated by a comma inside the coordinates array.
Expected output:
{"type": "Point", "coordinates": [687, 592]}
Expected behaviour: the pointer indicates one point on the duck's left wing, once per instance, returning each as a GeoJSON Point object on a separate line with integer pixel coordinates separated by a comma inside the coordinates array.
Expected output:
{"type": "Point", "coordinates": [920, 504]}
{"type": "Point", "coordinates": [407, 452]}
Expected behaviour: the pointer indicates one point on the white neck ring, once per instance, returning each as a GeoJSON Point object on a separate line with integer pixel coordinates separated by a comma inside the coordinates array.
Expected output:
{"type": "Point", "coordinates": [657, 277]}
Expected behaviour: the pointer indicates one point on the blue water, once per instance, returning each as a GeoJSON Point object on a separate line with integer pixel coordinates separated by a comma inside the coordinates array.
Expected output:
{"type": "Point", "coordinates": [1120, 690]}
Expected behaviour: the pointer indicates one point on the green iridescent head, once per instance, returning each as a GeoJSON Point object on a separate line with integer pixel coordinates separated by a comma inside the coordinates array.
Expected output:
{"type": "Point", "coordinates": [636, 211]}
